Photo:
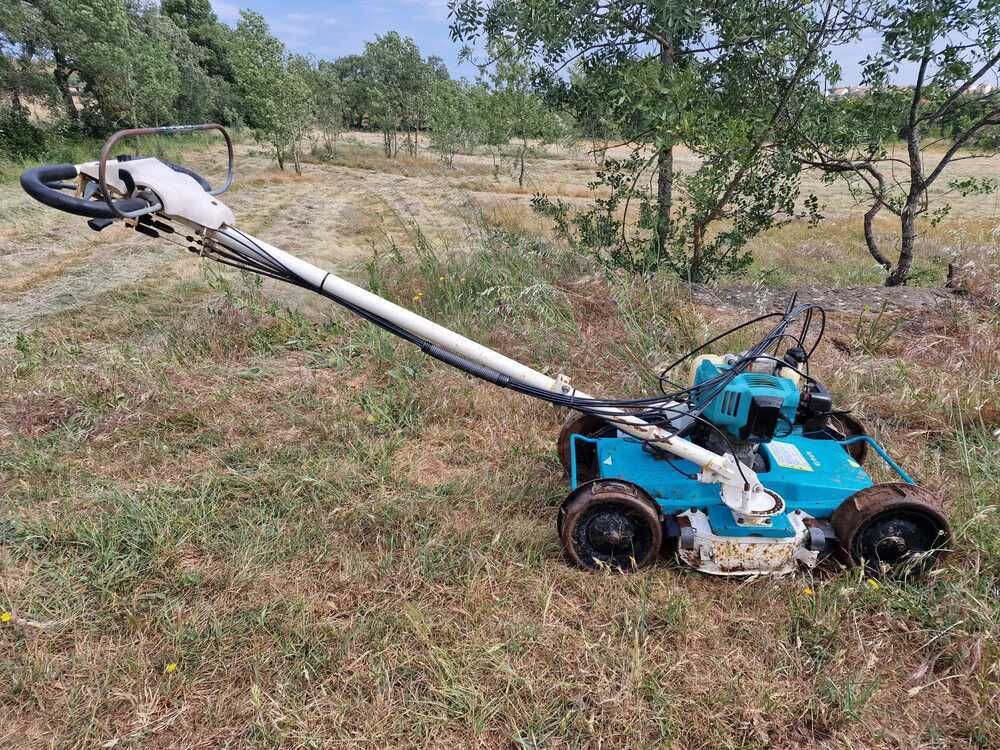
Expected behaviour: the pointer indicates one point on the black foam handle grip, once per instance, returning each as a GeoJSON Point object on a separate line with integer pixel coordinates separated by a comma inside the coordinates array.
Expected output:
{"type": "Point", "coordinates": [36, 181]}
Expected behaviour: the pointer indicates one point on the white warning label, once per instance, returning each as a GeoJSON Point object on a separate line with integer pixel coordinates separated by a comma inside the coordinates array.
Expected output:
{"type": "Point", "coordinates": [788, 456]}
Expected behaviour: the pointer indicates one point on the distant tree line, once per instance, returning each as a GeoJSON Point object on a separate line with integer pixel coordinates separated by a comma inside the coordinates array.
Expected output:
{"type": "Point", "coordinates": [98, 65]}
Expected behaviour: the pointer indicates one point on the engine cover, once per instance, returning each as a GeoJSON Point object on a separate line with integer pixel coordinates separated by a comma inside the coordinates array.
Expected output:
{"type": "Point", "coordinates": [753, 406]}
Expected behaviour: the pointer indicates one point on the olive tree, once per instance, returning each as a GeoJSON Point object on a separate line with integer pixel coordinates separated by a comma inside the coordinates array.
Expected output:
{"type": "Point", "coordinates": [21, 40]}
{"type": "Point", "coordinates": [103, 64]}
{"type": "Point", "coordinates": [396, 80]}
{"type": "Point", "coordinates": [277, 102]}
{"type": "Point", "coordinates": [454, 119]}
{"type": "Point", "coordinates": [119, 56]}
{"type": "Point", "coordinates": [725, 79]}
{"type": "Point", "coordinates": [351, 74]}
{"type": "Point", "coordinates": [514, 110]}
{"type": "Point", "coordinates": [201, 25]}
{"type": "Point", "coordinates": [586, 97]}
{"type": "Point", "coordinates": [943, 116]}
{"type": "Point", "coordinates": [328, 97]}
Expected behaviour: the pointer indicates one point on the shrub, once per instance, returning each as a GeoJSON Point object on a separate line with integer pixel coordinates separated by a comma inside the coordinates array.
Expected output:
{"type": "Point", "coordinates": [20, 139]}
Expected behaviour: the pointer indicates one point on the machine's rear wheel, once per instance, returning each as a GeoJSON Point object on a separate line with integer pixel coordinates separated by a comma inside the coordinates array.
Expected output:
{"type": "Point", "coordinates": [892, 528]}
{"type": "Point", "coordinates": [588, 425]}
{"type": "Point", "coordinates": [610, 524]}
{"type": "Point", "coordinates": [849, 427]}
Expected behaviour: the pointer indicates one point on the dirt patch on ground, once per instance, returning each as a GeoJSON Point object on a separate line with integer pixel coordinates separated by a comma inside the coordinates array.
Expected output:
{"type": "Point", "coordinates": [37, 413]}
{"type": "Point", "coordinates": [848, 299]}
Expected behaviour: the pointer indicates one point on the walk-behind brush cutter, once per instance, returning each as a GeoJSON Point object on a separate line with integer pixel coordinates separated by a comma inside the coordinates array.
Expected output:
{"type": "Point", "coordinates": [745, 467]}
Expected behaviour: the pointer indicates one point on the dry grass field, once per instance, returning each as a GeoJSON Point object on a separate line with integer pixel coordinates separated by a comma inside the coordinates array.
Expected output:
{"type": "Point", "coordinates": [232, 516]}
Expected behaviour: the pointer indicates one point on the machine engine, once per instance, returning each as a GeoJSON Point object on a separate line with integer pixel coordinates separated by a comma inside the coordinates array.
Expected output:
{"type": "Point", "coordinates": [753, 407]}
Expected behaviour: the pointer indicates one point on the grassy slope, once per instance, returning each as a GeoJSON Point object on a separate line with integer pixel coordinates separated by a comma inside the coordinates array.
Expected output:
{"type": "Point", "coordinates": [335, 541]}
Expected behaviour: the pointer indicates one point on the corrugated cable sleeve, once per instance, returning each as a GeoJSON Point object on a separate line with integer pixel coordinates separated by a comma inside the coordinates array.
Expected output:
{"type": "Point", "coordinates": [465, 365]}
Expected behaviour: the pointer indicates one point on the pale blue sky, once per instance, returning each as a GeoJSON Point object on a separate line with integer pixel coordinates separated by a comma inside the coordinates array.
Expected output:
{"type": "Point", "coordinates": [332, 28]}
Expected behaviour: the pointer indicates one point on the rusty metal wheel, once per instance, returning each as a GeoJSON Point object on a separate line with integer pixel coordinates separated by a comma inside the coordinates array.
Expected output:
{"type": "Point", "coordinates": [893, 528]}
{"type": "Point", "coordinates": [848, 427]}
{"type": "Point", "coordinates": [588, 425]}
{"type": "Point", "coordinates": [610, 524]}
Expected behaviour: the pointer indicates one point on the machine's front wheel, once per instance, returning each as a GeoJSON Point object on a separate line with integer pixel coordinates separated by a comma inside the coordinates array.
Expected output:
{"type": "Point", "coordinates": [610, 524]}
{"type": "Point", "coordinates": [893, 528]}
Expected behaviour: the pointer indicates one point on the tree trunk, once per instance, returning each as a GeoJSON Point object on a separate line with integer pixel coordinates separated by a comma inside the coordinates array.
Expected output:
{"type": "Point", "coordinates": [61, 75]}
{"type": "Point", "coordinates": [280, 156]}
{"type": "Point", "coordinates": [665, 174]}
{"type": "Point", "coordinates": [520, 176]}
{"type": "Point", "coordinates": [15, 92]}
{"type": "Point", "coordinates": [599, 150]}
{"type": "Point", "coordinates": [695, 273]}
{"type": "Point", "coordinates": [664, 196]}
{"type": "Point", "coordinates": [914, 197]}
{"type": "Point", "coordinates": [870, 240]}
{"type": "Point", "coordinates": [908, 233]}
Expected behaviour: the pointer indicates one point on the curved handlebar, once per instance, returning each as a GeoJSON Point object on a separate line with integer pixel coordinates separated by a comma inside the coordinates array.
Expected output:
{"type": "Point", "coordinates": [102, 165]}
{"type": "Point", "coordinates": [38, 183]}
{"type": "Point", "coordinates": [46, 183]}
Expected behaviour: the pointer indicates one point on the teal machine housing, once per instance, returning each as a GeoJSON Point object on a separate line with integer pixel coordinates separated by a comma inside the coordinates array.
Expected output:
{"type": "Point", "coordinates": [812, 471]}
{"type": "Point", "coordinates": [752, 404]}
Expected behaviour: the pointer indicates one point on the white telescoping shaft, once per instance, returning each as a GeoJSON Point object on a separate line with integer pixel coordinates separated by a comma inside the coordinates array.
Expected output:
{"type": "Point", "coordinates": [714, 466]}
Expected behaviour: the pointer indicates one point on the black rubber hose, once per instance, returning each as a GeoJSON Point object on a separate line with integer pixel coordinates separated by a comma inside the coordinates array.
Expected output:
{"type": "Point", "coordinates": [467, 366]}
{"type": "Point", "coordinates": [190, 173]}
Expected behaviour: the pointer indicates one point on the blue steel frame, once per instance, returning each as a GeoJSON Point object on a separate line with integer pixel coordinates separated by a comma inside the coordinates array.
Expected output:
{"type": "Point", "coordinates": [882, 454]}
{"type": "Point", "coordinates": [812, 474]}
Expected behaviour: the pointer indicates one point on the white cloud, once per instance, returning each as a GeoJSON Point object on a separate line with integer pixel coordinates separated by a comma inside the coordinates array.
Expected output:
{"type": "Point", "coordinates": [296, 29]}
{"type": "Point", "coordinates": [292, 28]}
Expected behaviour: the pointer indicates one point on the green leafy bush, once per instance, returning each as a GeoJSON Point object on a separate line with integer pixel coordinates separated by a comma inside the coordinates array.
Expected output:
{"type": "Point", "coordinates": [20, 139]}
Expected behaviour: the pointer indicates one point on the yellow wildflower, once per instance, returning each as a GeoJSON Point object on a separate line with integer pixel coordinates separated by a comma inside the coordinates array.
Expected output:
{"type": "Point", "coordinates": [171, 667]}
{"type": "Point", "coordinates": [873, 584]}
{"type": "Point", "coordinates": [807, 591]}
{"type": "Point", "coordinates": [5, 617]}
{"type": "Point", "coordinates": [440, 278]}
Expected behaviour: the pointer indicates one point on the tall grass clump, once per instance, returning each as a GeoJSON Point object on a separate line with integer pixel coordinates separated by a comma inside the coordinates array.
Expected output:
{"type": "Point", "coordinates": [506, 284]}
